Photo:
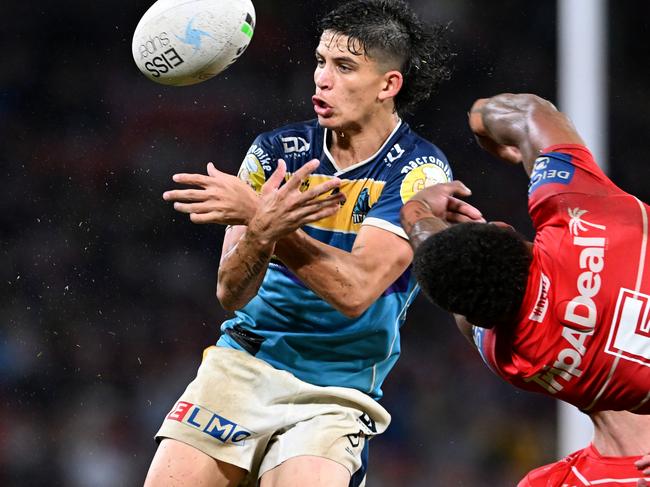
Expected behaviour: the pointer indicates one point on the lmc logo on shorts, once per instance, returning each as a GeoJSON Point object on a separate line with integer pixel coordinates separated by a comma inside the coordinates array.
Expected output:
{"type": "Point", "coordinates": [208, 422]}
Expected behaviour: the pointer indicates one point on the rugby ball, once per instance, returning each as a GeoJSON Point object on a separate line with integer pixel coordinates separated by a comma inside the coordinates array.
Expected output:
{"type": "Point", "coordinates": [184, 42]}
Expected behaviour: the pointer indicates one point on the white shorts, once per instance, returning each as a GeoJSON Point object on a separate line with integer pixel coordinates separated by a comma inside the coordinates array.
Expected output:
{"type": "Point", "coordinates": [242, 411]}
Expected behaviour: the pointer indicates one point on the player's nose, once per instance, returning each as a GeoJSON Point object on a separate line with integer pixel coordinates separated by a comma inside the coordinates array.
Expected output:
{"type": "Point", "coordinates": [323, 78]}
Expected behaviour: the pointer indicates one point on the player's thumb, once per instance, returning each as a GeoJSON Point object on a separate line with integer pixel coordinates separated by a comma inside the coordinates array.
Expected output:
{"type": "Point", "coordinates": [212, 170]}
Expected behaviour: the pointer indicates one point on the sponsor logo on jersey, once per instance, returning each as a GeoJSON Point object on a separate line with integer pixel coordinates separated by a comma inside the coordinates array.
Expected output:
{"type": "Point", "coordinates": [579, 314]}
{"type": "Point", "coordinates": [393, 154]}
{"type": "Point", "coordinates": [209, 422]}
{"type": "Point", "coordinates": [294, 145]}
{"type": "Point", "coordinates": [541, 304]}
{"type": "Point", "coordinates": [629, 335]}
{"type": "Point", "coordinates": [252, 172]}
{"type": "Point", "coordinates": [581, 310]}
{"type": "Point", "coordinates": [550, 170]}
{"type": "Point", "coordinates": [361, 207]}
{"type": "Point", "coordinates": [421, 173]}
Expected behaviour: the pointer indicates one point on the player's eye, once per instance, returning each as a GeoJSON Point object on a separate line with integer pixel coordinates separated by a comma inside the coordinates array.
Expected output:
{"type": "Point", "coordinates": [320, 62]}
{"type": "Point", "coordinates": [343, 68]}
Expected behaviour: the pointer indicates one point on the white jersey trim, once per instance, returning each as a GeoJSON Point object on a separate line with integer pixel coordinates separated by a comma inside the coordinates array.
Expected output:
{"type": "Point", "coordinates": [340, 171]}
{"type": "Point", "coordinates": [385, 225]}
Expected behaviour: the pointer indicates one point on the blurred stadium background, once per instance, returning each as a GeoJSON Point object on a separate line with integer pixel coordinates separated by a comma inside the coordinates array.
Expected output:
{"type": "Point", "coordinates": [108, 295]}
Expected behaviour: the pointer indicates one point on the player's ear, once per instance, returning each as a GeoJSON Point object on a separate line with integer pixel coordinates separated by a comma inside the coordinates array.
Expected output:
{"type": "Point", "coordinates": [392, 82]}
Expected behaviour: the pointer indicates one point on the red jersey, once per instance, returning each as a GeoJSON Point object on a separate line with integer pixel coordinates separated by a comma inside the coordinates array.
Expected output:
{"type": "Point", "coordinates": [583, 331]}
{"type": "Point", "coordinates": [585, 467]}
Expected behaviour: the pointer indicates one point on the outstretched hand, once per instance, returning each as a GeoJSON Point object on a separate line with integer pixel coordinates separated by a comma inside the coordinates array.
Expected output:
{"type": "Point", "coordinates": [284, 209]}
{"type": "Point", "coordinates": [443, 203]}
{"type": "Point", "coordinates": [216, 198]}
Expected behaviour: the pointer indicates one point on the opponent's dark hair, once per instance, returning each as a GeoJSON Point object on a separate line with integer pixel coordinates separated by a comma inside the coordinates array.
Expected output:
{"type": "Point", "coordinates": [384, 29]}
{"type": "Point", "coordinates": [476, 270]}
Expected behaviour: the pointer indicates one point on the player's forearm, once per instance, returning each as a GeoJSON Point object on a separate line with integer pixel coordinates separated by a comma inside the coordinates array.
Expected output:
{"type": "Point", "coordinates": [512, 119]}
{"type": "Point", "coordinates": [242, 271]}
{"type": "Point", "coordinates": [419, 222]}
{"type": "Point", "coordinates": [330, 272]}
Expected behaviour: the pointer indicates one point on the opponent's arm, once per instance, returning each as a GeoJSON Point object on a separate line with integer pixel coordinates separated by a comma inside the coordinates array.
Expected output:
{"type": "Point", "coordinates": [517, 127]}
{"type": "Point", "coordinates": [433, 209]}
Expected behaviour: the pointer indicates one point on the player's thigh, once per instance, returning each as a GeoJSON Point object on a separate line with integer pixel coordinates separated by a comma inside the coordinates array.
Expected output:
{"type": "Point", "coordinates": [307, 471]}
{"type": "Point", "coordinates": [178, 464]}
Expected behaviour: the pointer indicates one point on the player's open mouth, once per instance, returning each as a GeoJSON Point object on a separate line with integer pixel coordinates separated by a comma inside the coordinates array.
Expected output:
{"type": "Point", "coordinates": [321, 108]}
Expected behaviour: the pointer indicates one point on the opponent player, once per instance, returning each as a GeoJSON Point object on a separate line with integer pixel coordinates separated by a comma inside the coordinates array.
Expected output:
{"type": "Point", "coordinates": [611, 460]}
{"type": "Point", "coordinates": [289, 392]}
{"type": "Point", "coordinates": [568, 315]}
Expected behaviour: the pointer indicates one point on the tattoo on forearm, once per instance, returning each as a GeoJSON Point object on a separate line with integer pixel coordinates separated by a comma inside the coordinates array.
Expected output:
{"type": "Point", "coordinates": [253, 271]}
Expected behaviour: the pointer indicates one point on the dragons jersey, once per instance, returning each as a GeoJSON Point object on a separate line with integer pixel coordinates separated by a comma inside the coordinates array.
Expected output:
{"type": "Point", "coordinates": [583, 331]}
{"type": "Point", "coordinates": [583, 468]}
{"type": "Point", "coordinates": [288, 325]}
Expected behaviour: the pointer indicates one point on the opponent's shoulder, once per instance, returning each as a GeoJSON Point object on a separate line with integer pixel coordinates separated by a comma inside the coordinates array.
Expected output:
{"type": "Point", "coordinates": [551, 474]}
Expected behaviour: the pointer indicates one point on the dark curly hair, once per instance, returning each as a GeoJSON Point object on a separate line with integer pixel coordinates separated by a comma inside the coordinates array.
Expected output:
{"type": "Point", "coordinates": [476, 270]}
{"type": "Point", "coordinates": [390, 30]}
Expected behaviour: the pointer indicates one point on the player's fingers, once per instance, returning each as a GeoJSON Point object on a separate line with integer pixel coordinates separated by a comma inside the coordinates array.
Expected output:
{"type": "Point", "coordinates": [205, 218]}
{"type": "Point", "coordinates": [642, 482]}
{"type": "Point", "coordinates": [276, 178]}
{"type": "Point", "coordinates": [212, 170]}
{"type": "Point", "coordinates": [462, 207]}
{"type": "Point", "coordinates": [298, 176]}
{"type": "Point", "coordinates": [203, 207]}
{"type": "Point", "coordinates": [458, 188]}
{"type": "Point", "coordinates": [336, 198]}
{"type": "Point", "coordinates": [192, 179]}
{"type": "Point", "coordinates": [643, 463]}
{"type": "Point", "coordinates": [184, 195]}
{"type": "Point", "coordinates": [322, 212]}
{"type": "Point", "coordinates": [326, 187]}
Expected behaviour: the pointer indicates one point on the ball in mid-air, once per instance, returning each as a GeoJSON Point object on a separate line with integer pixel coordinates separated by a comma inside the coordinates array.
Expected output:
{"type": "Point", "coordinates": [184, 42]}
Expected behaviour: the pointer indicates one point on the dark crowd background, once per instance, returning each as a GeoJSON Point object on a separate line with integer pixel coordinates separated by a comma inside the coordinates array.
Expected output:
{"type": "Point", "coordinates": [108, 295]}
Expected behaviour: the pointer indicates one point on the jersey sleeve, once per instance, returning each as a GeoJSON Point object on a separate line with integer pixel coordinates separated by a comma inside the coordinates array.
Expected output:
{"type": "Point", "coordinates": [426, 170]}
{"type": "Point", "coordinates": [260, 162]}
{"type": "Point", "coordinates": [566, 168]}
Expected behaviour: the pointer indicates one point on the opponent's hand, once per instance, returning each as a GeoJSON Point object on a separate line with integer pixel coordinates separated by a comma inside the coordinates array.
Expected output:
{"type": "Point", "coordinates": [441, 199]}
{"type": "Point", "coordinates": [216, 198]}
{"type": "Point", "coordinates": [285, 209]}
{"type": "Point", "coordinates": [644, 465]}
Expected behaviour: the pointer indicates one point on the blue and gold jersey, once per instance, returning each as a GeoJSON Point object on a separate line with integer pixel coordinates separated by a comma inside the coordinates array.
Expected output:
{"type": "Point", "coordinates": [287, 324]}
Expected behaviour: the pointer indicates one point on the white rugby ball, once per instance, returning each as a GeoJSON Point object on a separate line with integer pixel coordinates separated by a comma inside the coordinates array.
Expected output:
{"type": "Point", "coordinates": [184, 42]}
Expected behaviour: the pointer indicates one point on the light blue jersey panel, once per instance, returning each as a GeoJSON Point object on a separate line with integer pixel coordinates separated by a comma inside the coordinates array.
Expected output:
{"type": "Point", "coordinates": [287, 324]}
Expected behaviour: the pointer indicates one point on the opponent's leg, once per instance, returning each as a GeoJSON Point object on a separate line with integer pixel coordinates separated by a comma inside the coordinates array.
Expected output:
{"type": "Point", "coordinates": [307, 471]}
{"type": "Point", "coordinates": [177, 464]}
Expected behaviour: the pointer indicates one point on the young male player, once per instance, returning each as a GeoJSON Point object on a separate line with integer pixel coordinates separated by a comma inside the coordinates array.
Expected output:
{"type": "Point", "coordinates": [319, 285]}
{"type": "Point", "coordinates": [568, 315]}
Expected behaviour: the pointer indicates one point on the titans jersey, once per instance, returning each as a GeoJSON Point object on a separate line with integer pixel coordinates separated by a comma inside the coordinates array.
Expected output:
{"type": "Point", "coordinates": [288, 325]}
{"type": "Point", "coordinates": [583, 332]}
{"type": "Point", "coordinates": [583, 468]}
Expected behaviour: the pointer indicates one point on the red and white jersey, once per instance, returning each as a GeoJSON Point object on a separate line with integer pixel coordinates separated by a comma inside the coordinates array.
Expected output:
{"type": "Point", "coordinates": [585, 467]}
{"type": "Point", "coordinates": [583, 331]}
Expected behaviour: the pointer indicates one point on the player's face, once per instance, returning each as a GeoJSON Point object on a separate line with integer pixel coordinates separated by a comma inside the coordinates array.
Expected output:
{"type": "Point", "coordinates": [347, 84]}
